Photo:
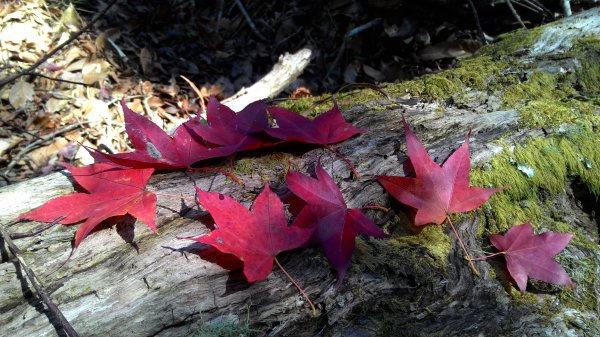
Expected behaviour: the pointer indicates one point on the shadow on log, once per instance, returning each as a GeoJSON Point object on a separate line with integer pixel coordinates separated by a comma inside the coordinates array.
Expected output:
{"type": "Point", "coordinates": [412, 284]}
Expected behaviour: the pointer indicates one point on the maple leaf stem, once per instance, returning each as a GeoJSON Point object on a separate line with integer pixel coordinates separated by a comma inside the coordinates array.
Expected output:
{"type": "Point", "coordinates": [312, 306]}
{"type": "Point", "coordinates": [344, 159]}
{"type": "Point", "coordinates": [381, 208]}
{"type": "Point", "coordinates": [175, 196]}
{"type": "Point", "coordinates": [481, 258]}
{"type": "Point", "coordinates": [462, 245]}
{"type": "Point", "coordinates": [210, 169]}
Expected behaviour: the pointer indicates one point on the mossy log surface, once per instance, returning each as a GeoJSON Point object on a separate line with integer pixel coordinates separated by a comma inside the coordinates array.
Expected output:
{"type": "Point", "coordinates": [130, 282]}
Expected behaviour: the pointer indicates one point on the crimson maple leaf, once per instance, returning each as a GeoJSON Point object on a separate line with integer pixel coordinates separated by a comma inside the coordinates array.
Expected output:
{"type": "Point", "coordinates": [436, 191]}
{"type": "Point", "coordinates": [529, 255]}
{"type": "Point", "coordinates": [113, 191]}
{"type": "Point", "coordinates": [255, 236]}
{"type": "Point", "coordinates": [154, 148]}
{"type": "Point", "coordinates": [241, 131]}
{"type": "Point", "coordinates": [335, 226]}
{"type": "Point", "coordinates": [328, 128]}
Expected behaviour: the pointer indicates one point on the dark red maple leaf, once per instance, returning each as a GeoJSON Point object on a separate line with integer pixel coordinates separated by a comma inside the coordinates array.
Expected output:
{"type": "Point", "coordinates": [335, 226]}
{"type": "Point", "coordinates": [242, 131]}
{"type": "Point", "coordinates": [154, 148]}
{"type": "Point", "coordinates": [113, 191]}
{"type": "Point", "coordinates": [255, 236]}
{"type": "Point", "coordinates": [529, 255]}
{"type": "Point", "coordinates": [328, 128]}
{"type": "Point", "coordinates": [436, 191]}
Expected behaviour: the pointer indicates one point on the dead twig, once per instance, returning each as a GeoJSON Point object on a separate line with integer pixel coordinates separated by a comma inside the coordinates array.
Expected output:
{"type": "Point", "coordinates": [477, 22]}
{"type": "Point", "coordinates": [249, 20]}
{"type": "Point", "coordinates": [34, 73]}
{"type": "Point", "coordinates": [38, 142]}
{"type": "Point", "coordinates": [29, 71]}
{"type": "Point", "coordinates": [198, 92]}
{"type": "Point", "coordinates": [41, 291]}
{"type": "Point", "coordinates": [515, 14]}
{"type": "Point", "coordinates": [16, 236]}
{"type": "Point", "coordinates": [347, 37]}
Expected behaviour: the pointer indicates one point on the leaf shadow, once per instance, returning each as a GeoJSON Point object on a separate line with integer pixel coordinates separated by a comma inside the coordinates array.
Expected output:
{"type": "Point", "coordinates": [236, 280]}
{"type": "Point", "coordinates": [124, 226]}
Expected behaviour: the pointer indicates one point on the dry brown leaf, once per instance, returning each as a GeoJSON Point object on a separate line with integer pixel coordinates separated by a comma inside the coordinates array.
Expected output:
{"type": "Point", "coordinates": [8, 143]}
{"type": "Point", "coordinates": [373, 73]}
{"type": "Point", "coordinates": [70, 20]}
{"type": "Point", "coordinates": [95, 111]}
{"type": "Point", "coordinates": [456, 48]}
{"type": "Point", "coordinates": [146, 60]}
{"type": "Point", "coordinates": [42, 155]}
{"type": "Point", "coordinates": [55, 104]}
{"type": "Point", "coordinates": [20, 93]}
{"type": "Point", "coordinates": [96, 70]}
{"type": "Point", "coordinates": [102, 39]}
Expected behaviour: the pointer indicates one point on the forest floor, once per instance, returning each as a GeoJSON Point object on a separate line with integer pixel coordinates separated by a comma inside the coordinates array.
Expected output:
{"type": "Point", "coordinates": [138, 51]}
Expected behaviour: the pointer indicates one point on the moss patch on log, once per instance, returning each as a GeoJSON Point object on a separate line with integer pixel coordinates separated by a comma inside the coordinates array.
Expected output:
{"type": "Point", "coordinates": [549, 161]}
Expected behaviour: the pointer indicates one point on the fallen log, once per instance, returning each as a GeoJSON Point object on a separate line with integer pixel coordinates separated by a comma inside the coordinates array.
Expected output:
{"type": "Point", "coordinates": [529, 100]}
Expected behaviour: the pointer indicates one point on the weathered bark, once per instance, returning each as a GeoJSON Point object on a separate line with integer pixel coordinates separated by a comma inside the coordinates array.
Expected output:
{"type": "Point", "coordinates": [159, 285]}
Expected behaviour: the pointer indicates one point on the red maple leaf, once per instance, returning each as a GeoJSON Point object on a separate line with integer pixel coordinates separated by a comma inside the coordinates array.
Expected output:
{"type": "Point", "coordinates": [255, 236]}
{"type": "Point", "coordinates": [241, 131]}
{"type": "Point", "coordinates": [529, 255]}
{"type": "Point", "coordinates": [113, 191]}
{"type": "Point", "coordinates": [154, 148]}
{"type": "Point", "coordinates": [436, 191]}
{"type": "Point", "coordinates": [328, 128]}
{"type": "Point", "coordinates": [335, 226]}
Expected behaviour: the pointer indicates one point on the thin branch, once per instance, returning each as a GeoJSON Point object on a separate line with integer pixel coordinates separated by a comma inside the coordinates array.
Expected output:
{"type": "Point", "coordinates": [249, 19]}
{"type": "Point", "coordinates": [16, 236]}
{"type": "Point", "coordinates": [477, 22]}
{"type": "Point", "coordinates": [41, 291]}
{"type": "Point", "coordinates": [34, 73]}
{"type": "Point", "coordinates": [38, 142]}
{"type": "Point", "coordinates": [44, 58]}
{"type": "Point", "coordinates": [515, 14]}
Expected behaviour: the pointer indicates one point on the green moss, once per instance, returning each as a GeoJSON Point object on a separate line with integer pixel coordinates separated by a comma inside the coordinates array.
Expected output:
{"type": "Point", "coordinates": [553, 161]}
{"type": "Point", "coordinates": [552, 113]}
{"type": "Point", "coordinates": [423, 253]}
{"type": "Point", "coordinates": [512, 42]}
{"type": "Point", "coordinates": [434, 239]}
{"type": "Point", "coordinates": [539, 86]}
{"type": "Point", "coordinates": [276, 163]}
{"type": "Point", "coordinates": [583, 272]}
{"type": "Point", "coordinates": [307, 106]}
{"type": "Point", "coordinates": [472, 73]}
{"type": "Point", "coordinates": [223, 328]}
{"type": "Point", "coordinates": [587, 77]}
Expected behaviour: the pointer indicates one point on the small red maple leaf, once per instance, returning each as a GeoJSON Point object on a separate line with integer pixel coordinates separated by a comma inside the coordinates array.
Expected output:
{"type": "Point", "coordinates": [529, 255]}
{"type": "Point", "coordinates": [242, 131]}
{"type": "Point", "coordinates": [255, 236]}
{"type": "Point", "coordinates": [328, 128]}
{"type": "Point", "coordinates": [335, 225]}
{"type": "Point", "coordinates": [113, 191]}
{"type": "Point", "coordinates": [436, 191]}
{"type": "Point", "coordinates": [154, 148]}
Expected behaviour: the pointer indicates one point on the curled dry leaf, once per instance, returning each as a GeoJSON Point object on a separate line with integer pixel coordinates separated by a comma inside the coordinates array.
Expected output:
{"type": "Point", "coordinates": [20, 94]}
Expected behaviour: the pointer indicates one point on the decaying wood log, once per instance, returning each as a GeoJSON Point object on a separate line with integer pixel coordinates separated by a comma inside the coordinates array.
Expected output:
{"type": "Point", "coordinates": [131, 282]}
